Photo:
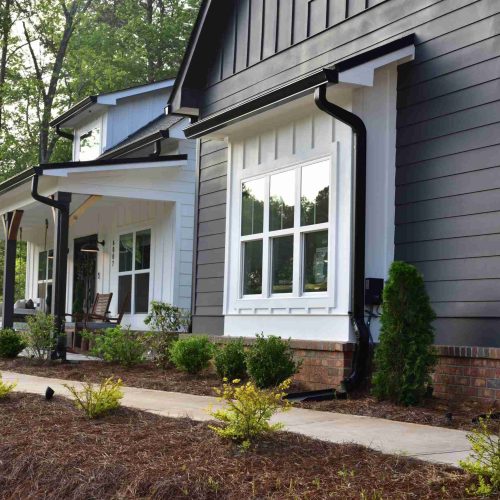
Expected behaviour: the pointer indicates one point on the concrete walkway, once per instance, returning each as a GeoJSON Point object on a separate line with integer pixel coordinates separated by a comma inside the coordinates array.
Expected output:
{"type": "Point", "coordinates": [433, 444]}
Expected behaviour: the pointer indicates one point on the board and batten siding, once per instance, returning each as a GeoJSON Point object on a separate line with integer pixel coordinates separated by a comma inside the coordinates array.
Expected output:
{"type": "Point", "coordinates": [210, 238]}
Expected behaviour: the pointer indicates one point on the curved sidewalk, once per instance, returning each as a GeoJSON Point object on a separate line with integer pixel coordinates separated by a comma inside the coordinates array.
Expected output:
{"type": "Point", "coordinates": [433, 444]}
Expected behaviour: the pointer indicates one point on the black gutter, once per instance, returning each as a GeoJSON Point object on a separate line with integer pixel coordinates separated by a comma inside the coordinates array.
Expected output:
{"type": "Point", "coordinates": [16, 180]}
{"type": "Point", "coordinates": [134, 146]}
{"type": "Point", "coordinates": [357, 314]}
{"type": "Point", "coordinates": [290, 90]}
{"type": "Point", "coordinates": [77, 108]}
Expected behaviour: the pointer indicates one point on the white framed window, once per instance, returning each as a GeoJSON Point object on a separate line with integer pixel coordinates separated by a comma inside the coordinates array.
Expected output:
{"type": "Point", "coordinates": [285, 232]}
{"type": "Point", "coordinates": [89, 141]}
{"type": "Point", "coordinates": [134, 270]}
{"type": "Point", "coordinates": [44, 281]}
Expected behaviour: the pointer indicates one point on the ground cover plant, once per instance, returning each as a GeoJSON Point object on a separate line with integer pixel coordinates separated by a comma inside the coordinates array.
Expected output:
{"type": "Point", "coordinates": [39, 335]}
{"type": "Point", "coordinates": [247, 412]}
{"type": "Point", "coordinates": [96, 401]}
{"type": "Point", "coordinates": [117, 345]}
{"type": "Point", "coordinates": [6, 387]}
{"type": "Point", "coordinates": [230, 360]}
{"type": "Point", "coordinates": [50, 450]}
{"type": "Point", "coordinates": [270, 361]}
{"type": "Point", "coordinates": [11, 343]}
{"type": "Point", "coordinates": [192, 354]}
{"type": "Point", "coordinates": [484, 463]}
{"type": "Point", "coordinates": [404, 358]}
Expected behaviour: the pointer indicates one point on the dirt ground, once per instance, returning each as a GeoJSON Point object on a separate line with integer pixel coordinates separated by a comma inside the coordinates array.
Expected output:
{"type": "Point", "coordinates": [50, 450]}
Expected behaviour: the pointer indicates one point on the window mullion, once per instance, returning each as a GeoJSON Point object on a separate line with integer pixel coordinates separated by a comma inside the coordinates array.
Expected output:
{"type": "Point", "coordinates": [266, 247]}
{"type": "Point", "coordinates": [132, 283]}
{"type": "Point", "coordinates": [297, 257]}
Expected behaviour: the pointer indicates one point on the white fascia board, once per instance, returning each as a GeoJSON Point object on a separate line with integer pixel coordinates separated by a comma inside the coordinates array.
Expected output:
{"type": "Point", "coordinates": [64, 172]}
{"type": "Point", "coordinates": [364, 73]}
{"type": "Point", "coordinates": [112, 98]}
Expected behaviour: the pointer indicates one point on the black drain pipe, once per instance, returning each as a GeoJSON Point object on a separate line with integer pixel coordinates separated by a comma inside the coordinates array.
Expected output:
{"type": "Point", "coordinates": [362, 352]}
{"type": "Point", "coordinates": [59, 304]}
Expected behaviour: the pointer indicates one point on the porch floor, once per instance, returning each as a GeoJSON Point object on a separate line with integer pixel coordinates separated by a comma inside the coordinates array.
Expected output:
{"type": "Point", "coordinates": [432, 444]}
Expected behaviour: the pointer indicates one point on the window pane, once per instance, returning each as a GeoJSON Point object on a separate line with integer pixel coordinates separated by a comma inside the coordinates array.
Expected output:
{"type": "Point", "coordinates": [42, 266]}
{"type": "Point", "coordinates": [126, 252]}
{"type": "Point", "coordinates": [252, 267]}
{"type": "Point", "coordinates": [282, 266]}
{"type": "Point", "coordinates": [50, 264]}
{"type": "Point", "coordinates": [316, 261]}
{"type": "Point", "coordinates": [90, 145]}
{"type": "Point", "coordinates": [282, 201]}
{"type": "Point", "coordinates": [252, 207]}
{"type": "Point", "coordinates": [142, 249]}
{"type": "Point", "coordinates": [141, 292]}
{"type": "Point", "coordinates": [124, 292]}
{"type": "Point", "coordinates": [314, 194]}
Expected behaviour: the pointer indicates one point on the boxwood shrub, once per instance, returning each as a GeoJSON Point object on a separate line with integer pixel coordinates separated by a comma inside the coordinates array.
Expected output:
{"type": "Point", "coordinates": [11, 343]}
{"type": "Point", "coordinates": [230, 360]}
{"type": "Point", "coordinates": [192, 354]}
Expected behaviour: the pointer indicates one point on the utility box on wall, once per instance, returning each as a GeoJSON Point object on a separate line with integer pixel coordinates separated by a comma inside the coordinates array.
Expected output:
{"type": "Point", "coordinates": [374, 288]}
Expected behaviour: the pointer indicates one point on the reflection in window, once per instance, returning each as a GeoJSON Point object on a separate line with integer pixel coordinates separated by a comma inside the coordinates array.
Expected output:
{"type": "Point", "coordinates": [45, 269]}
{"type": "Point", "coordinates": [282, 264]}
{"type": "Point", "coordinates": [90, 144]}
{"type": "Point", "coordinates": [142, 249]}
{"type": "Point", "coordinates": [252, 207]}
{"type": "Point", "coordinates": [252, 267]}
{"type": "Point", "coordinates": [316, 261]}
{"type": "Point", "coordinates": [282, 201]}
{"type": "Point", "coordinates": [314, 195]}
{"type": "Point", "coordinates": [126, 252]}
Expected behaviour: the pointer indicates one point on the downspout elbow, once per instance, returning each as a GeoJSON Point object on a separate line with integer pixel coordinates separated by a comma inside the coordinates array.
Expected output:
{"type": "Point", "coordinates": [65, 135]}
{"type": "Point", "coordinates": [43, 199]}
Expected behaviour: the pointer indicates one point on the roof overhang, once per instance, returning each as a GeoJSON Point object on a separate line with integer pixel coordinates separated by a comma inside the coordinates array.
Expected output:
{"type": "Point", "coordinates": [355, 71]}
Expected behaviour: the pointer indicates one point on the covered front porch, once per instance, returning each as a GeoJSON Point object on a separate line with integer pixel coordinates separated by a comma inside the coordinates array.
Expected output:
{"type": "Point", "coordinates": [104, 227]}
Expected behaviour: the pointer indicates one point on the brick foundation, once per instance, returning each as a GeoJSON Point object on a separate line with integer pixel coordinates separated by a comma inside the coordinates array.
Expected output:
{"type": "Point", "coordinates": [469, 372]}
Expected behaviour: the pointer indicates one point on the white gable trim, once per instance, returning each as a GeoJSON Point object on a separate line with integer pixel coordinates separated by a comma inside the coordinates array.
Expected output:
{"type": "Point", "coordinates": [112, 98]}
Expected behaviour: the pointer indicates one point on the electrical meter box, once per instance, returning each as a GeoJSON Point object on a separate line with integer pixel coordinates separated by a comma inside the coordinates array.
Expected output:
{"type": "Point", "coordinates": [373, 291]}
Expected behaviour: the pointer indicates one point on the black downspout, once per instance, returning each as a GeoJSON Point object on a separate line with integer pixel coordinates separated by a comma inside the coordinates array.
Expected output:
{"type": "Point", "coordinates": [66, 135]}
{"type": "Point", "coordinates": [362, 353]}
{"type": "Point", "coordinates": [61, 262]}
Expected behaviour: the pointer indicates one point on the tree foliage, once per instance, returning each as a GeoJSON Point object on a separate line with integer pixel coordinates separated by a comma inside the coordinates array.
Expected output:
{"type": "Point", "coordinates": [404, 357]}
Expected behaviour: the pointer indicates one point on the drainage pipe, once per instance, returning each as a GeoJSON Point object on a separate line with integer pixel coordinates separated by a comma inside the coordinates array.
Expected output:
{"type": "Point", "coordinates": [357, 314]}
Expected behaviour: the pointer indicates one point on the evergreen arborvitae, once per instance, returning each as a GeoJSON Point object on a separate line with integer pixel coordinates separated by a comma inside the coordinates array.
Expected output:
{"type": "Point", "coordinates": [404, 358]}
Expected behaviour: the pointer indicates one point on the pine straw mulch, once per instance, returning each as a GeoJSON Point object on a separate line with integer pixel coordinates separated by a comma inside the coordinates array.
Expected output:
{"type": "Point", "coordinates": [49, 450]}
{"type": "Point", "coordinates": [145, 376]}
{"type": "Point", "coordinates": [454, 413]}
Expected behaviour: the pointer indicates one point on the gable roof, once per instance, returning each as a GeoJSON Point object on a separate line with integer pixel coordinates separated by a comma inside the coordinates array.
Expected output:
{"type": "Point", "coordinates": [109, 99]}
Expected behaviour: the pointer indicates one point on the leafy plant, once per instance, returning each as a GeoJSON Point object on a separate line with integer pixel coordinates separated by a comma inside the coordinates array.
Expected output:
{"type": "Point", "coordinates": [270, 361]}
{"type": "Point", "coordinates": [192, 354]}
{"type": "Point", "coordinates": [117, 345]}
{"type": "Point", "coordinates": [230, 360]}
{"type": "Point", "coordinates": [40, 336]}
{"type": "Point", "coordinates": [405, 357]}
{"type": "Point", "coordinates": [166, 321]}
{"type": "Point", "coordinates": [484, 463]}
{"type": "Point", "coordinates": [11, 343]}
{"type": "Point", "coordinates": [248, 411]}
{"type": "Point", "coordinates": [5, 387]}
{"type": "Point", "coordinates": [96, 401]}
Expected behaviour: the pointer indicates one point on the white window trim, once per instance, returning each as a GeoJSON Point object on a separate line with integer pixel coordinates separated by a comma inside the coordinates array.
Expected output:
{"type": "Point", "coordinates": [134, 272]}
{"type": "Point", "coordinates": [97, 123]}
{"type": "Point", "coordinates": [234, 301]}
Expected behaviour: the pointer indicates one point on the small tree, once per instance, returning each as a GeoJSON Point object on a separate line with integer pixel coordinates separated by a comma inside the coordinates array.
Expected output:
{"type": "Point", "coordinates": [404, 358]}
{"type": "Point", "coordinates": [39, 336]}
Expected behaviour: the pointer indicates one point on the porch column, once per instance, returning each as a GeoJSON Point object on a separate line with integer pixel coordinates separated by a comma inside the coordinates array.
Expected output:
{"type": "Point", "coordinates": [11, 221]}
{"type": "Point", "coordinates": [60, 272]}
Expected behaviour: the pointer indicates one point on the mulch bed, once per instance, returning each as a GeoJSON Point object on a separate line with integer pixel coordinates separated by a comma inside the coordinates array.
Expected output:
{"type": "Point", "coordinates": [146, 376]}
{"type": "Point", "coordinates": [455, 413]}
{"type": "Point", "coordinates": [49, 450]}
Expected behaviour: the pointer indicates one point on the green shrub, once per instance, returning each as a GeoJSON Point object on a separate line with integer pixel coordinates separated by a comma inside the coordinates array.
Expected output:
{"type": "Point", "coordinates": [165, 321]}
{"type": "Point", "coordinates": [5, 387]}
{"type": "Point", "coordinates": [40, 335]}
{"type": "Point", "coordinates": [192, 355]}
{"type": "Point", "coordinates": [96, 401]}
{"type": "Point", "coordinates": [405, 357]}
{"type": "Point", "coordinates": [11, 343]}
{"type": "Point", "coordinates": [484, 463]}
{"type": "Point", "coordinates": [230, 360]}
{"type": "Point", "coordinates": [270, 361]}
{"type": "Point", "coordinates": [248, 411]}
{"type": "Point", "coordinates": [117, 345]}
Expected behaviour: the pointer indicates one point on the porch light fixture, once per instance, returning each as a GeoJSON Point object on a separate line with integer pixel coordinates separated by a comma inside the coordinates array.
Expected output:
{"type": "Point", "coordinates": [92, 247]}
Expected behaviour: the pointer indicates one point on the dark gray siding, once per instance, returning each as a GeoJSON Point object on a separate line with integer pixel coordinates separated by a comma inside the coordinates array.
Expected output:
{"type": "Point", "coordinates": [448, 142]}
{"type": "Point", "coordinates": [210, 238]}
{"type": "Point", "coordinates": [448, 174]}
